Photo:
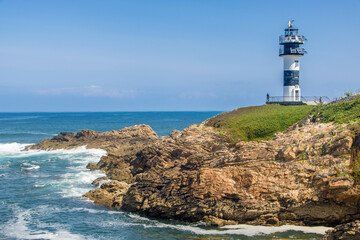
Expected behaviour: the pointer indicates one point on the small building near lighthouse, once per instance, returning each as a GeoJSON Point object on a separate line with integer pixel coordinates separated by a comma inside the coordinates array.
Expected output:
{"type": "Point", "coordinates": [291, 50]}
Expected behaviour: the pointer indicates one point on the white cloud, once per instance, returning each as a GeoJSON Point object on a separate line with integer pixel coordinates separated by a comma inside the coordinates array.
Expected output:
{"type": "Point", "coordinates": [89, 91]}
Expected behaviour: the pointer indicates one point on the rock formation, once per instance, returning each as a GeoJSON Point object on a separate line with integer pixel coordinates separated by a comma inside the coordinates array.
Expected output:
{"type": "Point", "coordinates": [121, 142]}
{"type": "Point", "coordinates": [303, 176]}
{"type": "Point", "coordinates": [347, 231]}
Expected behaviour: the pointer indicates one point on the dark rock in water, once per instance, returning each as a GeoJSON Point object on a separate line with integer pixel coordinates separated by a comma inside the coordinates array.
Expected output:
{"type": "Point", "coordinates": [347, 231]}
{"type": "Point", "coordinates": [92, 166]}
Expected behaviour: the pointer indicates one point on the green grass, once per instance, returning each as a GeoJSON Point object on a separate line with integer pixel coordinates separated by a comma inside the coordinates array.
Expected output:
{"type": "Point", "coordinates": [342, 112]}
{"type": "Point", "coordinates": [260, 122]}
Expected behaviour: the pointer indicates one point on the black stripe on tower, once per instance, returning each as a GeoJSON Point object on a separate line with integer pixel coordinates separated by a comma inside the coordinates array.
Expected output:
{"type": "Point", "coordinates": [291, 77]}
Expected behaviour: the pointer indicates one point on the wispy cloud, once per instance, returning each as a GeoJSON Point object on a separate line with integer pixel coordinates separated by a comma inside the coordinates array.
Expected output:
{"type": "Point", "coordinates": [89, 91]}
{"type": "Point", "coordinates": [197, 95]}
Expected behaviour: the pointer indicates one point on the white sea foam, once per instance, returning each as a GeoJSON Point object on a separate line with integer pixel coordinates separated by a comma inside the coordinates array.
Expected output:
{"type": "Point", "coordinates": [18, 228]}
{"type": "Point", "coordinates": [95, 153]}
{"type": "Point", "coordinates": [6, 148]}
{"type": "Point", "coordinates": [138, 217]}
{"type": "Point", "coordinates": [242, 229]}
{"type": "Point", "coordinates": [94, 211]}
{"type": "Point", "coordinates": [18, 149]}
{"type": "Point", "coordinates": [39, 185]}
{"type": "Point", "coordinates": [29, 167]}
{"type": "Point", "coordinates": [247, 230]}
{"type": "Point", "coordinates": [77, 181]}
{"type": "Point", "coordinates": [76, 184]}
{"type": "Point", "coordinates": [251, 230]}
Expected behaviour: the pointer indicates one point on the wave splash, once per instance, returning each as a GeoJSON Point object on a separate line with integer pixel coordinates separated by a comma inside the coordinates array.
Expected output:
{"type": "Point", "coordinates": [241, 229]}
{"type": "Point", "coordinates": [18, 228]}
{"type": "Point", "coordinates": [6, 148]}
{"type": "Point", "coordinates": [14, 148]}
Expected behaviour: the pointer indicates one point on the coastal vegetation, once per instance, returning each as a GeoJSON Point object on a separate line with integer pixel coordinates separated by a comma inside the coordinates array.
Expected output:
{"type": "Point", "coordinates": [341, 112]}
{"type": "Point", "coordinates": [259, 122]}
{"type": "Point", "coordinates": [262, 122]}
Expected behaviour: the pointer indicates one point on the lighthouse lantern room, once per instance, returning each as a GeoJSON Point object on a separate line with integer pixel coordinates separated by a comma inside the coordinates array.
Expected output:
{"type": "Point", "coordinates": [291, 52]}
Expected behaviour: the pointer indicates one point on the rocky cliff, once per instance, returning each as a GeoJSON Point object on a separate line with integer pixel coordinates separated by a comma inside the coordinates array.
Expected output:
{"type": "Point", "coordinates": [306, 175]}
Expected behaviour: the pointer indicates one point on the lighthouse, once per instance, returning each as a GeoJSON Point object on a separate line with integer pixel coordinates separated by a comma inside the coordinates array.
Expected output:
{"type": "Point", "coordinates": [291, 51]}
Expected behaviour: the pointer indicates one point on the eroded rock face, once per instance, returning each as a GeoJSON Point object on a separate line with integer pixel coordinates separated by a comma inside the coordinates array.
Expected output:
{"type": "Point", "coordinates": [303, 176]}
{"type": "Point", "coordinates": [193, 175]}
{"type": "Point", "coordinates": [110, 194]}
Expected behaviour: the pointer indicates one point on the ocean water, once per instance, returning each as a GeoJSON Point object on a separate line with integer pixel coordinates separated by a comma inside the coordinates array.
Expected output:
{"type": "Point", "coordinates": [41, 191]}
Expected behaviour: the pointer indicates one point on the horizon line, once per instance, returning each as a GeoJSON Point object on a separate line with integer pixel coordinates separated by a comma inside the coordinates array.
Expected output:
{"type": "Point", "coordinates": [145, 111]}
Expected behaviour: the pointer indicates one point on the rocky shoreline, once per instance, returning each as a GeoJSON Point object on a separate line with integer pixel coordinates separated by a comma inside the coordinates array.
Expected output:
{"type": "Point", "coordinates": [303, 176]}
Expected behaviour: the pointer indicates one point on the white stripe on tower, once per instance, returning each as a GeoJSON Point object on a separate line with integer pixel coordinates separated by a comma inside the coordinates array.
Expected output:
{"type": "Point", "coordinates": [291, 78]}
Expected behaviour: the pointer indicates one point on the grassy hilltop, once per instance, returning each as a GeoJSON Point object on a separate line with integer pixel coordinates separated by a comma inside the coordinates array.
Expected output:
{"type": "Point", "coordinates": [262, 122]}
{"type": "Point", "coordinates": [342, 112]}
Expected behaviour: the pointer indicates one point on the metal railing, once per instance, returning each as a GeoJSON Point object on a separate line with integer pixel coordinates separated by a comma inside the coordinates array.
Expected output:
{"type": "Point", "coordinates": [282, 99]}
{"type": "Point", "coordinates": [298, 50]}
{"type": "Point", "coordinates": [292, 39]}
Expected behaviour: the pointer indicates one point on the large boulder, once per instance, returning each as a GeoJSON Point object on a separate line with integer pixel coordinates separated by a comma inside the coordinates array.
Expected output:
{"type": "Point", "coordinates": [110, 194]}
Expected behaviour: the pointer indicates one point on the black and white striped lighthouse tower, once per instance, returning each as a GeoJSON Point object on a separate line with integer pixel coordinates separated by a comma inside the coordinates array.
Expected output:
{"type": "Point", "coordinates": [291, 51]}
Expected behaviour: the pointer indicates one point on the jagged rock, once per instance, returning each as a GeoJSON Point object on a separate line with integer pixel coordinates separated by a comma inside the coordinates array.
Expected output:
{"type": "Point", "coordinates": [121, 142]}
{"type": "Point", "coordinates": [286, 154]}
{"type": "Point", "coordinates": [110, 194]}
{"type": "Point", "coordinates": [92, 166]}
{"type": "Point", "coordinates": [347, 231]}
{"type": "Point", "coordinates": [99, 180]}
{"type": "Point", "coordinates": [214, 221]}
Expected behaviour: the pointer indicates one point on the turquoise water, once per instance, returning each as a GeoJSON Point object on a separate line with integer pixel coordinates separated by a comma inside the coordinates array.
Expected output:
{"type": "Point", "coordinates": [41, 191]}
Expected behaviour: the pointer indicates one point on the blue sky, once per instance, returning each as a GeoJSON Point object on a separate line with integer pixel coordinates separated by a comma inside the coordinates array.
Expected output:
{"type": "Point", "coordinates": [158, 55]}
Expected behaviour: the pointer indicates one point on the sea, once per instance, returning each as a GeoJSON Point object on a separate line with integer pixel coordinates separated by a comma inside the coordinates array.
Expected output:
{"type": "Point", "coordinates": [41, 192]}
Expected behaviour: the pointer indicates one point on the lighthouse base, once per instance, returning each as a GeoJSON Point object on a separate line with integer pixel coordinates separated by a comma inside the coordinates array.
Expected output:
{"type": "Point", "coordinates": [292, 93]}
{"type": "Point", "coordinates": [287, 102]}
